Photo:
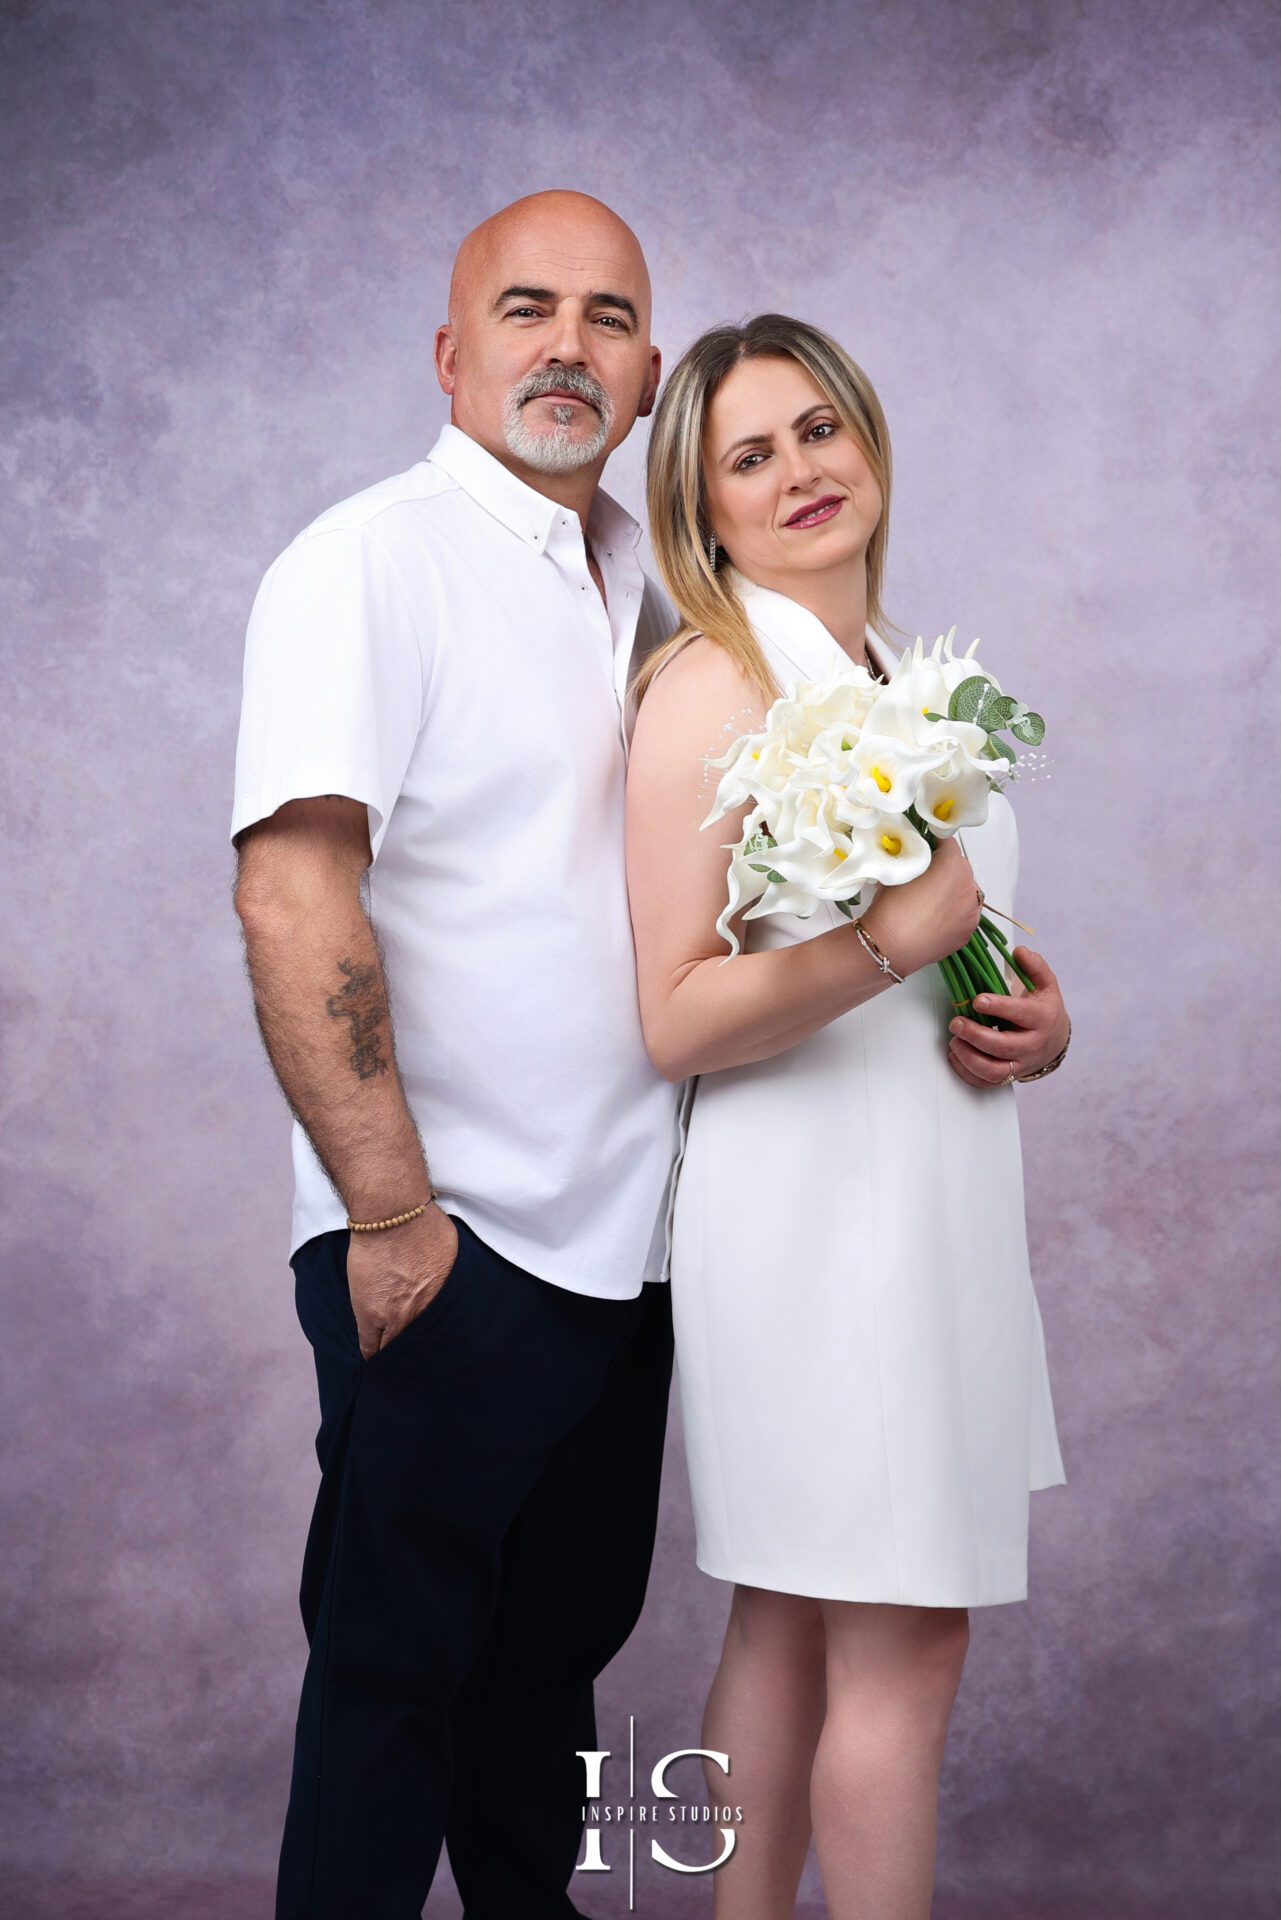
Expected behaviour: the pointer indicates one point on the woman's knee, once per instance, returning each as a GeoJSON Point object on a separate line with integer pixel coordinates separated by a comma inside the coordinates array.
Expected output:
{"type": "Point", "coordinates": [781, 1624]}
{"type": "Point", "coordinates": [912, 1654]}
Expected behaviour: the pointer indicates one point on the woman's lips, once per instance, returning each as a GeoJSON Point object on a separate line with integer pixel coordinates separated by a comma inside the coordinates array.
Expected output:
{"type": "Point", "coordinates": [821, 510]}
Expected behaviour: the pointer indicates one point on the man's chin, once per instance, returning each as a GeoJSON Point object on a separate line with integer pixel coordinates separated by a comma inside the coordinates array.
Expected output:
{"type": "Point", "coordinates": [558, 449]}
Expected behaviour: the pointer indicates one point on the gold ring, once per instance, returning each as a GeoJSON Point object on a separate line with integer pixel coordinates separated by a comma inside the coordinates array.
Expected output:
{"type": "Point", "coordinates": [1010, 1076]}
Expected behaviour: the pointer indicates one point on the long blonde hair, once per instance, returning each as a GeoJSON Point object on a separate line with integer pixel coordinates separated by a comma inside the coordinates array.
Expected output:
{"type": "Point", "coordinates": [676, 498]}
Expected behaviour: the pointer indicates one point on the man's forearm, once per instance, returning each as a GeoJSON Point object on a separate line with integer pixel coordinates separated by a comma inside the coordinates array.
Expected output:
{"type": "Point", "coordinates": [322, 1007]}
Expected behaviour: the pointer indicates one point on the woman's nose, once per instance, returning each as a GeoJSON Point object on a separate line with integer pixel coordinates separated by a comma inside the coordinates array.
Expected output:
{"type": "Point", "coordinates": [801, 469]}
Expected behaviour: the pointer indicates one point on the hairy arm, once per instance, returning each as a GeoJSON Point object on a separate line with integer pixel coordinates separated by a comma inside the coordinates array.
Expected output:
{"type": "Point", "coordinates": [322, 1008]}
{"type": "Point", "coordinates": [698, 1014]}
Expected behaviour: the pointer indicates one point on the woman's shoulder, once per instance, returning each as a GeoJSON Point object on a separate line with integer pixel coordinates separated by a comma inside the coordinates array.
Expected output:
{"type": "Point", "coordinates": [697, 697]}
{"type": "Point", "coordinates": [701, 672]}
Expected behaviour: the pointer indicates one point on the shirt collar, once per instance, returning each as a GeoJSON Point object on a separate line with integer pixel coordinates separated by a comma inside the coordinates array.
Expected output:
{"type": "Point", "coordinates": [528, 514]}
{"type": "Point", "coordinates": [800, 635]}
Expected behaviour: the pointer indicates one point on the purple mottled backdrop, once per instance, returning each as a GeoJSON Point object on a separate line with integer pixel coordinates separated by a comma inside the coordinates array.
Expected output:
{"type": "Point", "coordinates": [1047, 230]}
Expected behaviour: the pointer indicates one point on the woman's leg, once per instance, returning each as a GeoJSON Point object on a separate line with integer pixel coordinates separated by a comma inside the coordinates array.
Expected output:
{"type": "Point", "coordinates": [765, 1710]}
{"type": "Point", "coordinates": [892, 1675]}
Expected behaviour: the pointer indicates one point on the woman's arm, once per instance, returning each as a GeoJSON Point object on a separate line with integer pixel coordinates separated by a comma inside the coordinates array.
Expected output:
{"type": "Point", "coordinates": [699, 1015]}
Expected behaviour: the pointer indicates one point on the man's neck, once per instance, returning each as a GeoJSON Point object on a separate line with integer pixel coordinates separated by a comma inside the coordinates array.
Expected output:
{"type": "Point", "coordinates": [573, 491]}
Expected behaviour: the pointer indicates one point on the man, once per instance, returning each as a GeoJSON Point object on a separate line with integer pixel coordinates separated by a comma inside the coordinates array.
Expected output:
{"type": "Point", "coordinates": [435, 675]}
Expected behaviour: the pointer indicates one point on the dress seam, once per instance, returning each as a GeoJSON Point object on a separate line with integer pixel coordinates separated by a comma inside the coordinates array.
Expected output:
{"type": "Point", "coordinates": [876, 1319]}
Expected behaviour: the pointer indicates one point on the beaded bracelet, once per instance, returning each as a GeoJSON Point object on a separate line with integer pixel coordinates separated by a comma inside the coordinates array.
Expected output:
{"type": "Point", "coordinates": [397, 1219]}
{"type": "Point", "coordinates": [1050, 1065]}
{"type": "Point", "coordinates": [869, 946]}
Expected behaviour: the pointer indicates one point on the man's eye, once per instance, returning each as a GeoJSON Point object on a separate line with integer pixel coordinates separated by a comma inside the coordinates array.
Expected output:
{"type": "Point", "coordinates": [522, 313]}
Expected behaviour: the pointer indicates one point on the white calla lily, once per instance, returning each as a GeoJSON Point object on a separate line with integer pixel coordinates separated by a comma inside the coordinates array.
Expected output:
{"type": "Point", "coordinates": [954, 796]}
{"type": "Point", "coordinates": [889, 769]}
{"type": "Point", "coordinates": [851, 782]}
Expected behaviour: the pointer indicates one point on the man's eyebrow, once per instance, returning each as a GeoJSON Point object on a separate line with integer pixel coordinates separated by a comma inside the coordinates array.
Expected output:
{"type": "Point", "coordinates": [524, 293]}
{"type": "Point", "coordinates": [618, 300]}
{"type": "Point", "coordinates": [757, 439]}
{"type": "Point", "coordinates": [548, 298]}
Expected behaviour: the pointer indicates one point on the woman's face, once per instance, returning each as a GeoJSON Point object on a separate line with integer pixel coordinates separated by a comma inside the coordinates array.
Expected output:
{"type": "Point", "coordinates": [788, 487]}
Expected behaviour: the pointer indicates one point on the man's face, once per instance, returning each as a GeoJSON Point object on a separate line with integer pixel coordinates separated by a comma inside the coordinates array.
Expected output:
{"type": "Point", "coordinates": [547, 354]}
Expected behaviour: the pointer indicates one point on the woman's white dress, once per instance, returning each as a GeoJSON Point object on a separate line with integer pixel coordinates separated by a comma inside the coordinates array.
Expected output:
{"type": "Point", "coordinates": [862, 1368]}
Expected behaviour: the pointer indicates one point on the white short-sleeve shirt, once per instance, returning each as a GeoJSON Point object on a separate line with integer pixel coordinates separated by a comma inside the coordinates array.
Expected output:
{"type": "Point", "coordinates": [436, 648]}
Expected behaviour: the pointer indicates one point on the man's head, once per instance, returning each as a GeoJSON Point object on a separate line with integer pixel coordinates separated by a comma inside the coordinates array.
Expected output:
{"type": "Point", "coordinates": [546, 354]}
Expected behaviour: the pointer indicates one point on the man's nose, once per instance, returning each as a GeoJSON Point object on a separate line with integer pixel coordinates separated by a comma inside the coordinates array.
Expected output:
{"type": "Point", "coordinates": [567, 344]}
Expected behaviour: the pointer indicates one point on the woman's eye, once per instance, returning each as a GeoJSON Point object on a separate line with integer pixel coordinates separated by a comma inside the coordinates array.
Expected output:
{"type": "Point", "coordinates": [748, 461]}
{"type": "Point", "coordinates": [824, 427]}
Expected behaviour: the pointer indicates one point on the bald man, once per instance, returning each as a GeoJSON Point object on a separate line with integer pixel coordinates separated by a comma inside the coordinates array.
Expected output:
{"type": "Point", "coordinates": [429, 819]}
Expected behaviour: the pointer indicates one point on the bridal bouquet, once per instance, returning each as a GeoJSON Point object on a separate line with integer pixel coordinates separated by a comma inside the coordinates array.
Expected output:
{"type": "Point", "coordinates": [854, 781]}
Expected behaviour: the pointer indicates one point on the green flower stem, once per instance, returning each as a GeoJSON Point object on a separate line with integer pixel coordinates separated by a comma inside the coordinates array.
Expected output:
{"type": "Point", "coordinates": [979, 948]}
{"type": "Point", "coordinates": [957, 988]}
{"type": "Point", "coordinates": [973, 969]}
{"type": "Point", "coordinates": [993, 932]}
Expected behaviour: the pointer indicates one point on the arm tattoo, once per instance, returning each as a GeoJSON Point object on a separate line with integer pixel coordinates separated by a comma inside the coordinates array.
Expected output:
{"type": "Point", "coordinates": [361, 1003]}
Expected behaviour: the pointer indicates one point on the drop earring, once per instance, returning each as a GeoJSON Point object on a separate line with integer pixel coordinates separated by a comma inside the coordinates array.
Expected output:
{"type": "Point", "coordinates": [711, 552]}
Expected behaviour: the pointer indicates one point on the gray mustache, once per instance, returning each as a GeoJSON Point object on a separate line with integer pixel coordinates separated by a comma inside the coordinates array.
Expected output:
{"type": "Point", "coordinates": [570, 380]}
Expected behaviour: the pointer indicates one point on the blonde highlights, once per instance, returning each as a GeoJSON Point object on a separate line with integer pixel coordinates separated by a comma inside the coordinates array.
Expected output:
{"type": "Point", "coordinates": [679, 526]}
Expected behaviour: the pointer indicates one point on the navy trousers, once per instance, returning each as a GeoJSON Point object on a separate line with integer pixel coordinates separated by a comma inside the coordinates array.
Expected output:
{"type": "Point", "coordinates": [478, 1552]}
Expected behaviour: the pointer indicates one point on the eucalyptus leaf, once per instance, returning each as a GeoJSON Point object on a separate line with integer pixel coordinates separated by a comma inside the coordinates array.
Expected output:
{"type": "Point", "coordinates": [968, 697]}
{"type": "Point", "coordinates": [1030, 728]}
{"type": "Point", "coordinates": [1003, 747]}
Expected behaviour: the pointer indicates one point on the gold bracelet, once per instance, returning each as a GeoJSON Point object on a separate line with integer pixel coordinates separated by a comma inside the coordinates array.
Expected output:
{"type": "Point", "coordinates": [397, 1219]}
{"type": "Point", "coordinates": [869, 946]}
{"type": "Point", "coordinates": [1050, 1065]}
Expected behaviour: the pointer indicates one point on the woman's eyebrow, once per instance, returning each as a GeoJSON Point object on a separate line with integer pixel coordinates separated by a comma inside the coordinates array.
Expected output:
{"type": "Point", "coordinates": [748, 440]}
{"type": "Point", "coordinates": [766, 439]}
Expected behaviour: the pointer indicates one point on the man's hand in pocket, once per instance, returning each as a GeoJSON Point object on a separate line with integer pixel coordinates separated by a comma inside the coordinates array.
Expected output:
{"type": "Point", "coordinates": [394, 1273]}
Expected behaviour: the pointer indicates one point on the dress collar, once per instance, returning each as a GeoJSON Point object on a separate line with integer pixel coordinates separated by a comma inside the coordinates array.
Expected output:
{"type": "Point", "coordinates": [527, 513]}
{"type": "Point", "coordinates": [799, 634]}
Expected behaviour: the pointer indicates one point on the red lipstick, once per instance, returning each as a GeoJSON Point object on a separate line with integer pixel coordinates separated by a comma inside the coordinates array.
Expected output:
{"type": "Point", "coordinates": [817, 511]}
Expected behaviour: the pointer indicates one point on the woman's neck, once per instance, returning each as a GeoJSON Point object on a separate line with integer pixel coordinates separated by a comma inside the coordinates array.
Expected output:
{"type": "Point", "coordinates": [837, 597]}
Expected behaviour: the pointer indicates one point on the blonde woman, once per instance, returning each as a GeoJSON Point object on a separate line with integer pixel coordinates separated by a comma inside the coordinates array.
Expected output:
{"type": "Point", "coordinates": [862, 1368]}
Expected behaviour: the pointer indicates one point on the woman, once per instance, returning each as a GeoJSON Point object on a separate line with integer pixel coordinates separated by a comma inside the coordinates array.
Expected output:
{"type": "Point", "coordinates": [862, 1368]}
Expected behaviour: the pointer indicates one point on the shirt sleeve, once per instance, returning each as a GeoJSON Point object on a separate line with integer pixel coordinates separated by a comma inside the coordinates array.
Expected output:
{"type": "Point", "coordinates": [333, 681]}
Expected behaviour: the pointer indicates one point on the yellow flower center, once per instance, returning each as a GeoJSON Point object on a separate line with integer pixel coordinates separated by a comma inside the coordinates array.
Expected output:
{"type": "Point", "coordinates": [882, 780]}
{"type": "Point", "coordinates": [756, 755]}
{"type": "Point", "coordinates": [943, 811]}
{"type": "Point", "coordinates": [840, 853]}
{"type": "Point", "coordinates": [891, 843]}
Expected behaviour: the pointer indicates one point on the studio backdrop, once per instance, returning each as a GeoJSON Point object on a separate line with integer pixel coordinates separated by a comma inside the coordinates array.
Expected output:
{"type": "Point", "coordinates": [1048, 233]}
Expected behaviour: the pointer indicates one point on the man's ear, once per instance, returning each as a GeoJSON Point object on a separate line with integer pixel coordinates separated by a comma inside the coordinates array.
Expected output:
{"type": "Point", "coordinates": [446, 352]}
{"type": "Point", "coordinates": [650, 393]}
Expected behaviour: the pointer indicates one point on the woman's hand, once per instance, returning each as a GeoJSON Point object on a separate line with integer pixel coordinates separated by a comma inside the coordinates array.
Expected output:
{"type": "Point", "coordinates": [983, 1056]}
{"type": "Point", "coordinates": [926, 919]}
